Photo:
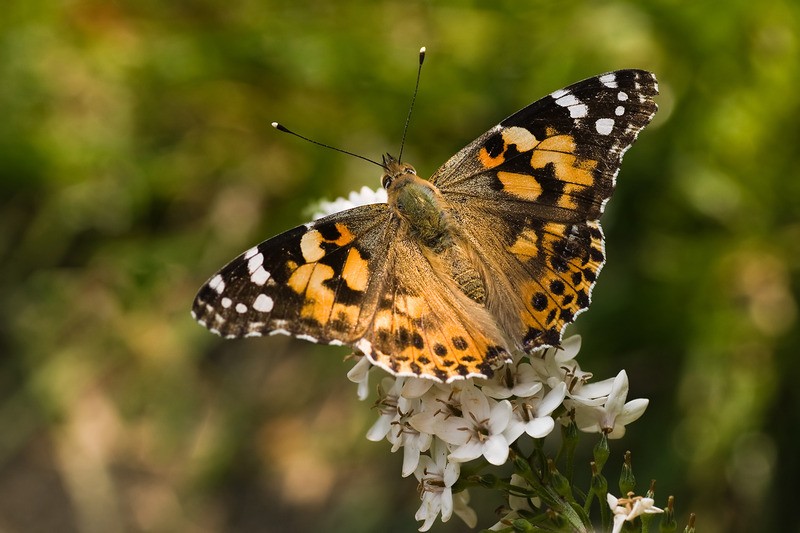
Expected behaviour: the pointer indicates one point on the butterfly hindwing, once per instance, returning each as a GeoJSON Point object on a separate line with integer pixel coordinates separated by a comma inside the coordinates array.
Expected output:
{"type": "Point", "coordinates": [425, 326]}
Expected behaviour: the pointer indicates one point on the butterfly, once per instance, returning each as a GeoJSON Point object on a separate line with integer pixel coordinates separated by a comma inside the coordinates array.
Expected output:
{"type": "Point", "coordinates": [498, 251]}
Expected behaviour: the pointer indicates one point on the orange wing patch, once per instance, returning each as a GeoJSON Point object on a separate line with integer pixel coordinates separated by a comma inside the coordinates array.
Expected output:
{"type": "Point", "coordinates": [522, 186]}
{"type": "Point", "coordinates": [519, 137]}
{"type": "Point", "coordinates": [312, 241]}
{"type": "Point", "coordinates": [570, 257]}
{"type": "Point", "coordinates": [576, 173]}
{"type": "Point", "coordinates": [356, 270]}
{"type": "Point", "coordinates": [526, 246]}
{"type": "Point", "coordinates": [308, 280]}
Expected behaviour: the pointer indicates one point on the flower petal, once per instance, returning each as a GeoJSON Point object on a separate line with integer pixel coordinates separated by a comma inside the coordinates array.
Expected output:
{"type": "Point", "coordinates": [463, 510]}
{"type": "Point", "coordinates": [495, 449]}
{"type": "Point", "coordinates": [552, 400]}
{"type": "Point", "coordinates": [633, 410]}
{"type": "Point", "coordinates": [415, 387]}
{"type": "Point", "coordinates": [467, 452]}
{"type": "Point", "coordinates": [380, 428]}
{"type": "Point", "coordinates": [500, 416]}
{"type": "Point", "coordinates": [475, 402]}
{"type": "Point", "coordinates": [410, 460]}
{"type": "Point", "coordinates": [515, 428]}
{"type": "Point", "coordinates": [540, 427]}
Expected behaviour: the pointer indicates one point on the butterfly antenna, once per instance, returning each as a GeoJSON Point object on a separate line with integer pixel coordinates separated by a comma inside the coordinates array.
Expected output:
{"type": "Point", "coordinates": [413, 99]}
{"type": "Point", "coordinates": [280, 127]}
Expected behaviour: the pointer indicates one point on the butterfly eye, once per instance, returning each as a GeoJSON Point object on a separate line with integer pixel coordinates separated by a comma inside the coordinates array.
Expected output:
{"type": "Point", "coordinates": [386, 180]}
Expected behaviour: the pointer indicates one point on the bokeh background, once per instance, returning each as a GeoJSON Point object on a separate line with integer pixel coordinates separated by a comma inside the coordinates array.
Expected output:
{"type": "Point", "coordinates": [137, 157]}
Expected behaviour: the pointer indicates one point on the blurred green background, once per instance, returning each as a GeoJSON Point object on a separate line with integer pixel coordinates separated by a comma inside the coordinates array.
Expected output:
{"type": "Point", "coordinates": [137, 157]}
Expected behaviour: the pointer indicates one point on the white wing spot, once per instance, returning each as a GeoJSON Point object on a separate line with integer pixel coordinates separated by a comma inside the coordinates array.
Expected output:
{"type": "Point", "coordinates": [226, 302]}
{"type": "Point", "coordinates": [260, 276]}
{"type": "Point", "coordinates": [255, 262]}
{"type": "Point", "coordinates": [251, 252]}
{"type": "Point", "coordinates": [241, 308]}
{"type": "Point", "coordinates": [568, 100]}
{"type": "Point", "coordinates": [604, 125]}
{"type": "Point", "coordinates": [578, 111]}
{"type": "Point", "coordinates": [280, 331]}
{"type": "Point", "coordinates": [609, 80]}
{"type": "Point", "coordinates": [217, 284]}
{"type": "Point", "coordinates": [622, 96]}
{"type": "Point", "coordinates": [309, 338]}
{"type": "Point", "coordinates": [619, 111]}
{"type": "Point", "coordinates": [263, 303]}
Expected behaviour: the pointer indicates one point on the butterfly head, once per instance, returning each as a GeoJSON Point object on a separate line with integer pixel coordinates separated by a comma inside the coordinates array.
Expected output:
{"type": "Point", "coordinates": [393, 169]}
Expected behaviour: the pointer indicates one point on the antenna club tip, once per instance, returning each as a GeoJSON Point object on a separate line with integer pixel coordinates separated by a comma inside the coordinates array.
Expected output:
{"type": "Point", "coordinates": [275, 125]}
{"type": "Point", "coordinates": [280, 127]}
{"type": "Point", "coordinates": [422, 55]}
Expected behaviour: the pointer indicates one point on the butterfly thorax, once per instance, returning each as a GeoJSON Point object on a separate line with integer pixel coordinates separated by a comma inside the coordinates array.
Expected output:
{"type": "Point", "coordinates": [427, 220]}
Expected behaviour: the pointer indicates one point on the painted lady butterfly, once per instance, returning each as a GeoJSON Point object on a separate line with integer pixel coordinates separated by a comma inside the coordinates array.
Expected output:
{"type": "Point", "coordinates": [498, 251]}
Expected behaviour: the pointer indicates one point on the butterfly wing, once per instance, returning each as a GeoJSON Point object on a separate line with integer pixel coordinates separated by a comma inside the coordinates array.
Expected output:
{"type": "Point", "coordinates": [318, 281]}
{"type": "Point", "coordinates": [529, 191]}
{"type": "Point", "coordinates": [425, 326]}
{"type": "Point", "coordinates": [354, 278]}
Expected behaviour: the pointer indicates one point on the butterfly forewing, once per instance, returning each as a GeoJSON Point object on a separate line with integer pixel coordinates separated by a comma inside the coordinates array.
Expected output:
{"type": "Point", "coordinates": [319, 281]}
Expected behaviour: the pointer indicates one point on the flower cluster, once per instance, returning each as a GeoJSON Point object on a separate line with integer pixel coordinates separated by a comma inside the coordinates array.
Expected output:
{"type": "Point", "coordinates": [440, 426]}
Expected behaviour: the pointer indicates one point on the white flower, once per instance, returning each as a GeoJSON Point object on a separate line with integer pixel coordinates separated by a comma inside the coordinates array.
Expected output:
{"type": "Point", "coordinates": [462, 509]}
{"type": "Point", "coordinates": [393, 424]}
{"type": "Point", "coordinates": [354, 199]}
{"type": "Point", "coordinates": [517, 503]}
{"type": "Point", "coordinates": [553, 364]}
{"type": "Point", "coordinates": [412, 441]}
{"type": "Point", "coordinates": [591, 394]}
{"type": "Point", "coordinates": [436, 477]}
{"type": "Point", "coordinates": [438, 404]}
{"type": "Point", "coordinates": [360, 374]}
{"type": "Point", "coordinates": [479, 429]}
{"type": "Point", "coordinates": [532, 415]}
{"type": "Point", "coordinates": [615, 414]}
{"type": "Point", "coordinates": [629, 508]}
{"type": "Point", "coordinates": [415, 387]}
{"type": "Point", "coordinates": [518, 380]}
{"type": "Point", "coordinates": [387, 404]}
